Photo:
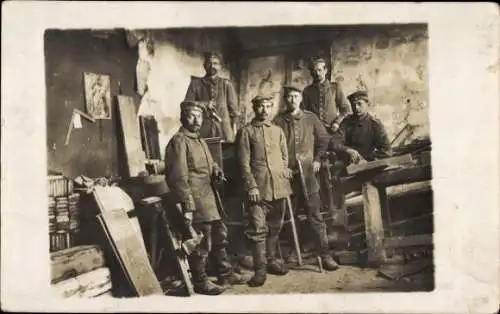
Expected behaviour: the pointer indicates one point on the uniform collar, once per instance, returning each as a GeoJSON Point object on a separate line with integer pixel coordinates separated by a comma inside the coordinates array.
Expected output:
{"type": "Point", "coordinates": [288, 116]}
{"type": "Point", "coordinates": [210, 80]}
{"type": "Point", "coordinates": [189, 134]}
{"type": "Point", "coordinates": [367, 116]}
{"type": "Point", "coordinates": [325, 83]}
{"type": "Point", "coordinates": [258, 123]}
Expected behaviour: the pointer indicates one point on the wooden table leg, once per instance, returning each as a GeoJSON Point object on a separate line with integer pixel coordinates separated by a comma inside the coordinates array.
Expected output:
{"type": "Point", "coordinates": [373, 224]}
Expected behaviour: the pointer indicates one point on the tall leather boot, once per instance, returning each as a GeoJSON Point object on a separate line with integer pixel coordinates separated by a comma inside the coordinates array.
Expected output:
{"type": "Point", "coordinates": [328, 261]}
{"type": "Point", "coordinates": [274, 266]}
{"type": "Point", "coordinates": [259, 261]}
{"type": "Point", "coordinates": [202, 284]}
{"type": "Point", "coordinates": [226, 275]}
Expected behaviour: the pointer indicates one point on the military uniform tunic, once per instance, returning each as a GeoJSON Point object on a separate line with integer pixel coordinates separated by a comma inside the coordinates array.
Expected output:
{"type": "Point", "coordinates": [263, 157]}
{"type": "Point", "coordinates": [367, 135]}
{"type": "Point", "coordinates": [307, 140]}
{"type": "Point", "coordinates": [221, 91]}
{"type": "Point", "coordinates": [189, 168]}
{"type": "Point", "coordinates": [325, 100]}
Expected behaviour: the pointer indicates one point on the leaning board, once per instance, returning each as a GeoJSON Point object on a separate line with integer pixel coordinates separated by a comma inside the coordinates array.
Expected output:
{"type": "Point", "coordinates": [131, 135]}
{"type": "Point", "coordinates": [130, 252]}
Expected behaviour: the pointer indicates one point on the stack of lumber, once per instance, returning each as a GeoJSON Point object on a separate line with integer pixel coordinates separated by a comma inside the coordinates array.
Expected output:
{"type": "Point", "coordinates": [80, 272]}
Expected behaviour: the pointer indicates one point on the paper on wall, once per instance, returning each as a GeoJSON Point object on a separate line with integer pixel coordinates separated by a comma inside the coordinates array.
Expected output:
{"type": "Point", "coordinates": [77, 121]}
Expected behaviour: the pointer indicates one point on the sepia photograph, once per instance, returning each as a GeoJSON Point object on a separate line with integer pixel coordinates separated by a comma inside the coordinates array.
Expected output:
{"type": "Point", "coordinates": [240, 160]}
{"type": "Point", "coordinates": [293, 159]}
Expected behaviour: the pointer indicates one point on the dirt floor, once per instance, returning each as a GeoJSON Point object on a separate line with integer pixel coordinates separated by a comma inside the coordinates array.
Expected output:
{"type": "Point", "coordinates": [308, 279]}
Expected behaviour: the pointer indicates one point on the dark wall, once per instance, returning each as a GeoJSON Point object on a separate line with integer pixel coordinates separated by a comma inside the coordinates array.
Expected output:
{"type": "Point", "coordinates": [93, 150]}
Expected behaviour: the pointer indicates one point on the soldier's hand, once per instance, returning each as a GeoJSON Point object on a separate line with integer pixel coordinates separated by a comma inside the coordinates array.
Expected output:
{"type": "Point", "coordinates": [211, 105]}
{"type": "Point", "coordinates": [288, 173]}
{"type": "Point", "coordinates": [188, 216]}
{"type": "Point", "coordinates": [316, 166]}
{"type": "Point", "coordinates": [219, 176]}
{"type": "Point", "coordinates": [354, 156]}
{"type": "Point", "coordinates": [254, 195]}
{"type": "Point", "coordinates": [334, 127]}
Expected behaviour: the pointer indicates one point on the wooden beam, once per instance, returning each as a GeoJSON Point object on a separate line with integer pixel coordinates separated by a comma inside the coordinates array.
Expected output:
{"type": "Point", "coordinates": [404, 175]}
{"type": "Point", "coordinates": [379, 164]}
{"type": "Point", "coordinates": [405, 241]}
{"type": "Point", "coordinates": [373, 224]}
{"type": "Point", "coordinates": [395, 191]}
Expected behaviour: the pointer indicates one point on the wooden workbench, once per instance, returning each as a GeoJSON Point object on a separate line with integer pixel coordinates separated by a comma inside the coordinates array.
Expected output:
{"type": "Point", "coordinates": [375, 178]}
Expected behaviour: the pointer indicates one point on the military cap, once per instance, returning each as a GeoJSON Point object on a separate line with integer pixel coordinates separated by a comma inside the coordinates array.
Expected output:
{"type": "Point", "coordinates": [292, 87]}
{"type": "Point", "coordinates": [188, 104]}
{"type": "Point", "coordinates": [315, 60]}
{"type": "Point", "coordinates": [360, 94]}
{"type": "Point", "coordinates": [211, 54]}
{"type": "Point", "coordinates": [261, 98]}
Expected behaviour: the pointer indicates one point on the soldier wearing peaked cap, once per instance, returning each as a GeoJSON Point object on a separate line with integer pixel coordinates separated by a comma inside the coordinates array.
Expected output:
{"type": "Point", "coordinates": [363, 132]}
{"type": "Point", "coordinates": [219, 95]}
{"type": "Point", "coordinates": [307, 141]}
{"type": "Point", "coordinates": [189, 171]}
{"type": "Point", "coordinates": [324, 98]}
{"type": "Point", "coordinates": [263, 160]}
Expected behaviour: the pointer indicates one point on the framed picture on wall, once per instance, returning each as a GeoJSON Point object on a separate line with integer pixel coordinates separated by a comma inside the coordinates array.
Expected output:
{"type": "Point", "coordinates": [97, 95]}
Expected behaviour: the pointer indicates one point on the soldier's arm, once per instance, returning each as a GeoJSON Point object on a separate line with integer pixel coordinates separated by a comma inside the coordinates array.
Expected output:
{"type": "Point", "coordinates": [176, 173]}
{"type": "Point", "coordinates": [213, 165]}
{"type": "Point", "coordinates": [284, 148]}
{"type": "Point", "coordinates": [243, 147]}
{"type": "Point", "coordinates": [190, 93]}
{"type": "Point", "coordinates": [232, 103]}
{"type": "Point", "coordinates": [321, 138]}
{"type": "Point", "coordinates": [382, 143]}
{"type": "Point", "coordinates": [343, 104]}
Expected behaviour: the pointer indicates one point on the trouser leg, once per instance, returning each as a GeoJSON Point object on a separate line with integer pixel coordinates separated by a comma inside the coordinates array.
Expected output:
{"type": "Point", "coordinates": [319, 227]}
{"type": "Point", "coordinates": [256, 232]}
{"type": "Point", "coordinates": [275, 219]}
{"type": "Point", "coordinates": [223, 265]}
{"type": "Point", "coordinates": [198, 262]}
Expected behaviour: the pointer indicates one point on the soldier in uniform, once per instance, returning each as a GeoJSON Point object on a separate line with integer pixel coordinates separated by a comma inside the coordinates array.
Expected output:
{"type": "Point", "coordinates": [327, 100]}
{"type": "Point", "coordinates": [220, 97]}
{"type": "Point", "coordinates": [189, 171]}
{"type": "Point", "coordinates": [363, 132]}
{"type": "Point", "coordinates": [263, 158]}
{"type": "Point", "coordinates": [324, 98]}
{"type": "Point", "coordinates": [307, 139]}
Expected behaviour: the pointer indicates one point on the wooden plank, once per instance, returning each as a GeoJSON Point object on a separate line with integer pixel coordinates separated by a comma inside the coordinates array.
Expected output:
{"type": "Point", "coordinates": [405, 241]}
{"type": "Point", "coordinates": [373, 224]}
{"type": "Point", "coordinates": [404, 175]}
{"type": "Point", "coordinates": [378, 164]}
{"type": "Point", "coordinates": [113, 197]}
{"type": "Point", "coordinates": [130, 251]}
{"type": "Point", "coordinates": [75, 261]}
{"type": "Point", "coordinates": [131, 135]}
{"type": "Point", "coordinates": [395, 191]}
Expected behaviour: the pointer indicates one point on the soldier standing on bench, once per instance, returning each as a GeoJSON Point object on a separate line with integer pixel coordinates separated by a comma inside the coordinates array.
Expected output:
{"type": "Point", "coordinates": [263, 158]}
{"type": "Point", "coordinates": [189, 171]}
{"type": "Point", "coordinates": [307, 140]}
{"type": "Point", "coordinates": [220, 96]}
